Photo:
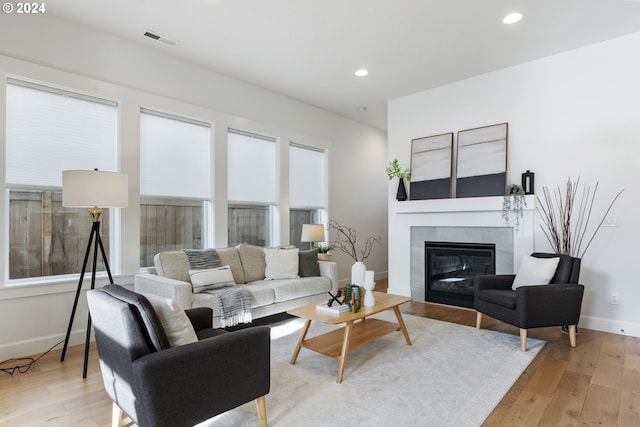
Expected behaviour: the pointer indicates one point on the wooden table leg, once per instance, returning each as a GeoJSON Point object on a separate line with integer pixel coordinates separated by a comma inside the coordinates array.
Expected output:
{"type": "Point", "coordinates": [396, 310]}
{"type": "Point", "coordinates": [303, 335]}
{"type": "Point", "coordinates": [345, 349]}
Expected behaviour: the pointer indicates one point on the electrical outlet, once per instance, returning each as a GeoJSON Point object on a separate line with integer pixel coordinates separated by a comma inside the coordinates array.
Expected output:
{"type": "Point", "coordinates": [615, 299]}
{"type": "Point", "coordinates": [611, 221]}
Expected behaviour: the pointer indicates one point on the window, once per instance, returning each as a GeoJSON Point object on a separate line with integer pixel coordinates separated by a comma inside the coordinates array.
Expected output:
{"type": "Point", "coordinates": [249, 224]}
{"type": "Point", "coordinates": [252, 187]}
{"type": "Point", "coordinates": [49, 131]}
{"type": "Point", "coordinates": [175, 183]}
{"type": "Point", "coordinates": [306, 190]}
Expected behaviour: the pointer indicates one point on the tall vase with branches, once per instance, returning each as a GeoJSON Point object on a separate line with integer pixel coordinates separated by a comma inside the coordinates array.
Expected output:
{"type": "Point", "coordinates": [346, 242]}
{"type": "Point", "coordinates": [565, 225]}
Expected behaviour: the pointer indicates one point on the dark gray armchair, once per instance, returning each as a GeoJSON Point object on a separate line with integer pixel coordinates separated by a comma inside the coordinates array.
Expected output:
{"type": "Point", "coordinates": [157, 385]}
{"type": "Point", "coordinates": [556, 304]}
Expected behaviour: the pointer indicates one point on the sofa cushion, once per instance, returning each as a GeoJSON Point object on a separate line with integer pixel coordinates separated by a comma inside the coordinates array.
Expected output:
{"type": "Point", "coordinates": [231, 257]}
{"type": "Point", "coordinates": [174, 320]}
{"type": "Point", "coordinates": [308, 263]}
{"type": "Point", "coordinates": [261, 295]}
{"type": "Point", "coordinates": [211, 278]}
{"type": "Point", "coordinates": [281, 263]}
{"type": "Point", "coordinates": [288, 289]}
{"type": "Point", "coordinates": [172, 264]}
{"type": "Point", "coordinates": [535, 271]}
{"type": "Point", "coordinates": [253, 262]}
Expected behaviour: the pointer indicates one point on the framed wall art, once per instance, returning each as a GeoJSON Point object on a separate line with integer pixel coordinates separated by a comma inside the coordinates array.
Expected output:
{"type": "Point", "coordinates": [431, 165]}
{"type": "Point", "coordinates": [482, 161]}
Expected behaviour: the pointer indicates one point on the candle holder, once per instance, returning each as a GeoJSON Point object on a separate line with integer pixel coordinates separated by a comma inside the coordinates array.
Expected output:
{"type": "Point", "coordinates": [527, 182]}
{"type": "Point", "coordinates": [368, 285]}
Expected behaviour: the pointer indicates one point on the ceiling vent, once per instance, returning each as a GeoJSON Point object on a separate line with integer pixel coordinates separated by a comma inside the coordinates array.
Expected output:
{"type": "Point", "coordinates": [155, 36]}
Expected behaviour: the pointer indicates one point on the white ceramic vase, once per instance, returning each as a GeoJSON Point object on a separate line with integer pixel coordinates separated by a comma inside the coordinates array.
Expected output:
{"type": "Point", "coordinates": [357, 273]}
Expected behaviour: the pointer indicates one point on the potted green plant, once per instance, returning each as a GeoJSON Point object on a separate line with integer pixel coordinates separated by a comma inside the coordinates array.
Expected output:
{"type": "Point", "coordinates": [395, 171]}
{"type": "Point", "coordinates": [513, 204]}
{"type": "Point", "coordinates": [324, 252]}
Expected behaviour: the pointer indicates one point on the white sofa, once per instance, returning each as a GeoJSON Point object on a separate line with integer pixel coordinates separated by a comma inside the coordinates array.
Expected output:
{"type": "Point", "coordinates": [171, 280]}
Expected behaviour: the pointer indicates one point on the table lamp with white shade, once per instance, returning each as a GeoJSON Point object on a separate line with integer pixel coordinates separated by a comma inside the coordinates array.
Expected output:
{"type": "Point", "coordinates": [312, 233]}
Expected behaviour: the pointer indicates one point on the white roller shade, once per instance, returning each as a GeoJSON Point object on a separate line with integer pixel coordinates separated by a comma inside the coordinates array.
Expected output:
{"type": "Point", "coordinates": [175, 159]}
{"type": "Point", "coordinates": [49, 131]}
{"type": "Point", "coordinates": [306, 177]}
{"type": "Point", "coordinates": [251, 168]}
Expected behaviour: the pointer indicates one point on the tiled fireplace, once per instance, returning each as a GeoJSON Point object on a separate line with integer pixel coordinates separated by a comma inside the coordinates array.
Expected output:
{"type": "Point", "coordinates": [473, 221]}
{"type": "Point", "coordinates": [500, 237]}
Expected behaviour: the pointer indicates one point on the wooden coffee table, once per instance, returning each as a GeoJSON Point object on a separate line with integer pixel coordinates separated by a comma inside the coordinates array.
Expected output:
{"type": "Point", "coordinates": [358, 330]}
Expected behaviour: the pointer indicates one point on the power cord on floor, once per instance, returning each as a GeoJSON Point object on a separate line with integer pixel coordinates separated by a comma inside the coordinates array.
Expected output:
{"type": "Point", "coordinates": [24, 363]}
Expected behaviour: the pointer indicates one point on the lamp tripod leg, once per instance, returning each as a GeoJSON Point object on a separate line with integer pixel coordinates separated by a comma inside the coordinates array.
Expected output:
{"type": "Point", "coordinates": [104, 259]}
{"type": "Point", "coordinates": [75, 301]}
{"type": "Point", "coordinates": [97, 243]}
{"type": "Point", "coordinates": [86, 348]}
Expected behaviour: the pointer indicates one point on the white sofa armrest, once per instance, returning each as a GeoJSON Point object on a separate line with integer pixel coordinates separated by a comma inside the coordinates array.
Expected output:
{"type": "Point", "coordinates": [177, 290]}
{"type": "Point", "coordinates": [330, 269]}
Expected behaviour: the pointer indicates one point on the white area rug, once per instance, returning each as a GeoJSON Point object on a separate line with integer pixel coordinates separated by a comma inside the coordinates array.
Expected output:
{"type": "Point", "coordinates": [453, 375]}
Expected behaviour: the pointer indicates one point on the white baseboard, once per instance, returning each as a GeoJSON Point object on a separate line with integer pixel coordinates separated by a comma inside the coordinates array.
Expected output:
{"type": "Point", "coordinates": [611, 326]}
{"type": "Point", "coordinates": [37, 346]}
{"type": "Point", "coordinates": [377, 276]}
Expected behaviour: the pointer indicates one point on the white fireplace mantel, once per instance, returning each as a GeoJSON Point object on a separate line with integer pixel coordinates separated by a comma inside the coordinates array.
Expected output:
{"type": "Point", "coordinates": [468, 204]}
{"type": "Point", "coordinates": [463, 212]}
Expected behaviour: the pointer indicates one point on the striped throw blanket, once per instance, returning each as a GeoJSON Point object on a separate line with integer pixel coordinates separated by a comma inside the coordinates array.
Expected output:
{"type": "Point", "coordinates": [234, 303]}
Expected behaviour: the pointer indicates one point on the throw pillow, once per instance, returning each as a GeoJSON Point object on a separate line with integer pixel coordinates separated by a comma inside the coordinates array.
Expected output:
{"type": "Point", "coordinates": [174, 320]}
{"type": "Point", "coordinates": [535, 271]}
{"type": "Point", "coordinates": [211, 278]}
{"type": "Point", "coordinates": [253, 262]}
{"type": "Point", "coordinates": [281, 263]}
{"type": "Point", "coordinates": [203, 258]}
{"type": "Point", "coordinates": [231, 257]}
{"type": "Point", "coordinates": [308, 263]}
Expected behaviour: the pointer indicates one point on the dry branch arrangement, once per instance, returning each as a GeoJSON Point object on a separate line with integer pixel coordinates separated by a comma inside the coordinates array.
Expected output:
{"type": "Point", "coordinates": [346, 242]}
{"type": "Point", "coordinates": [565, 232]}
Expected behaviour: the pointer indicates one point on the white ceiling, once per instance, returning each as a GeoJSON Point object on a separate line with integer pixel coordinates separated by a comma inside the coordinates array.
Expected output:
{"type": "Point", "coordinates": [310, 49]}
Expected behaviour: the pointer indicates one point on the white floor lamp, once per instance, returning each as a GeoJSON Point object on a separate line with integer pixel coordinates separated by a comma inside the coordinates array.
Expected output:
{"type": "Point", "coordinates": [95, 190]}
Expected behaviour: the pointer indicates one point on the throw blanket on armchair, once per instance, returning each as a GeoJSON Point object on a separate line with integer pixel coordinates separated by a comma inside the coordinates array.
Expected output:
{"type": "Point", "coordinates": [234, 303]}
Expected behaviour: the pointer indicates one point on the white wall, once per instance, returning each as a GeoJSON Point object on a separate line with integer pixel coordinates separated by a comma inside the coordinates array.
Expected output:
{"type": "Point", "coordinates": [35, 316]}
{"type": "Point", "coordinates": [576, 114]}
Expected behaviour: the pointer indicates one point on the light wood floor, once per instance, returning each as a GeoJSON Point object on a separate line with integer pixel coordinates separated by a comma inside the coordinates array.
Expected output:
{"type": "Point", "coordinates": [596, 383]}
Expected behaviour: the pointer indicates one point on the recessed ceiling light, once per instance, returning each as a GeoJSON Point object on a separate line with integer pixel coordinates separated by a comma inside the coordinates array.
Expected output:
{"type": "Point", "coordinates": [512, 18]}
{"type": "Point", "coordinates": [362, 72]}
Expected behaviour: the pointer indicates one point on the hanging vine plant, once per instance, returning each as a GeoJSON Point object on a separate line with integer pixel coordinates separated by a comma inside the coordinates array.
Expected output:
{"type": "Point", "coordinates": [513, 204]}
